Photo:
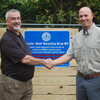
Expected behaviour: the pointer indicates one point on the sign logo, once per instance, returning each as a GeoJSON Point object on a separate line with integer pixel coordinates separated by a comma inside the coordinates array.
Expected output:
{"type": "Point", "coordinates": [46, 36]}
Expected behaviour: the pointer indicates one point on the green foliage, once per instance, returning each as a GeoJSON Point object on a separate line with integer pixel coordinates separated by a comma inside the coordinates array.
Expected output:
{"type": "Point", "coordinates": [61, 16]}
{"type": "Point", "coordinates": [44, 18]}
{"type": "Point", "coordinates": [94, 5]}
{"type": "Point", "coordinates": [5, 6]}
{"type": "Point", "coordinates": [2, 20]}
{"type": "Point", "coordinates": [49, 11]}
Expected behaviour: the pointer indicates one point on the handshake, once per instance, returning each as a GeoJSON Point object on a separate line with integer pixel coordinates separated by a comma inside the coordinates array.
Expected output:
{"type": "Point", "coordinates": [49, 63]}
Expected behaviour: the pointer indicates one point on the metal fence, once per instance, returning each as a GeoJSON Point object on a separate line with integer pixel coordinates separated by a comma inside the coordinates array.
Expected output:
{"type": "Point", "coordinates": [30, 25]}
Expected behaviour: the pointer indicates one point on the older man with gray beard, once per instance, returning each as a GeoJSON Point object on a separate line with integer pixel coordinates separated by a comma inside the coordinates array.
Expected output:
{"type": "Point", "coordinates": [17, 63]}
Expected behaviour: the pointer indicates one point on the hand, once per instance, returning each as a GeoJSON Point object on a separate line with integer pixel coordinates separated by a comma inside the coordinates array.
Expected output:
{"type": "Point", "coordinates": [49, 64]}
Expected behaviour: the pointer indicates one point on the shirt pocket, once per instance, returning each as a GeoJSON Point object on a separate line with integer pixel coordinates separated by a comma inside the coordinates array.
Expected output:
{"type": "Point", "coordinates": [94, 51]}
{"type": "Point", "coordinates": [77, 52]}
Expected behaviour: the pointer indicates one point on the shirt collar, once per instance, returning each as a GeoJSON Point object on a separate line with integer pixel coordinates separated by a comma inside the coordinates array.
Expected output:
{"type": "Point", "coordinates": [85, 32]}
{"type": "Point", "coordinates": [13, 34]}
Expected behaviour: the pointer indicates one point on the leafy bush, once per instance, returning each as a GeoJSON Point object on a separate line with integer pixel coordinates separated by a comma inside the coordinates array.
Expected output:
{"type": "Point", "coordinates": [49, 11]}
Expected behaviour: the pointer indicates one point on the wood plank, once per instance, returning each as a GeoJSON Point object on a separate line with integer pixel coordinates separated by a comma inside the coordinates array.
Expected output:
{"type": "Point", "coordinates": [54, 90]}
{"type": "Point", "coordinates": [73, 62]}
{"type": "Point", "coordinates": [73, 31]}
{"type": "Point", "coordinates": [2, 31]}
{"type": "Point", "coordinates": [54, 81]}
{"type": "Point", "coordinates": [56, 71]}
{"type": "Point", "coordinates": [54, 97]}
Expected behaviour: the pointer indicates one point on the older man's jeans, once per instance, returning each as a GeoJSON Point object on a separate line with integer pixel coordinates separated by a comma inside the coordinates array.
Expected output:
{"type": "Point", "coordinates": [87, 89]}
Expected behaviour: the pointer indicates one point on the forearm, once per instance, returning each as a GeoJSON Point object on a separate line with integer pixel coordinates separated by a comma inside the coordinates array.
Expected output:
{"type": "Point", "coordinates": [29, 60]}
{"type": "Point", "coordinates": [63, 59]}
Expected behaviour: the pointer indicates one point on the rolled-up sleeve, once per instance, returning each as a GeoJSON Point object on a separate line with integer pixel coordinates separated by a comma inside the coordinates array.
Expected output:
{"type": "Point", "coordinates": [70, 51]}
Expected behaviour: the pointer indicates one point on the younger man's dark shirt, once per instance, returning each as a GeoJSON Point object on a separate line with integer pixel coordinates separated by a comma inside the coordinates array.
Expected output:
{"type": "Point", "coordinates": [13, 50]}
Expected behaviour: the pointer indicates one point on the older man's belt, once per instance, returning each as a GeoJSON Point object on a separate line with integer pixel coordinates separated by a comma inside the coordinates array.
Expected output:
{"type": "Point", "coordinates": [88, 76]}
{"type": "Point", "coordinates": [14, 77]}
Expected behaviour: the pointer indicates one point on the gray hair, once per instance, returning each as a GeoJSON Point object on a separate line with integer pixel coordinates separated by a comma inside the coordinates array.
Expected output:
{"type": "Point", "coordinates": [11, 10]}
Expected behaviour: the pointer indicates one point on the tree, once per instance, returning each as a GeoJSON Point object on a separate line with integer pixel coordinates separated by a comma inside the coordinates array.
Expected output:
{"type": "Point", "coordinates": [49, 11]}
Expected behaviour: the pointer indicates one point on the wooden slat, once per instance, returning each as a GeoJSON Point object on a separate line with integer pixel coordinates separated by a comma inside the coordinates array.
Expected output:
{"type": "Point", "coordinates": [57, 90]}
{"type": "Point", "coordinates": [56, 71]}
{"type": "Point", "coordinates": [73, 62]}
{"type": "Point", "coordinates": [2, 31]}
{"type": "Point", "coordinates": [54, 97]}
{"type": "Point", "coordinates": [73, 31]}
{"type": "Point", "coordinates": [52, 81]}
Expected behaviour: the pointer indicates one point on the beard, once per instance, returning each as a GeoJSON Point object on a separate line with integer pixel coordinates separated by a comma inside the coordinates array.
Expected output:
{"type": "Point", "coordinates": [16, 28]}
